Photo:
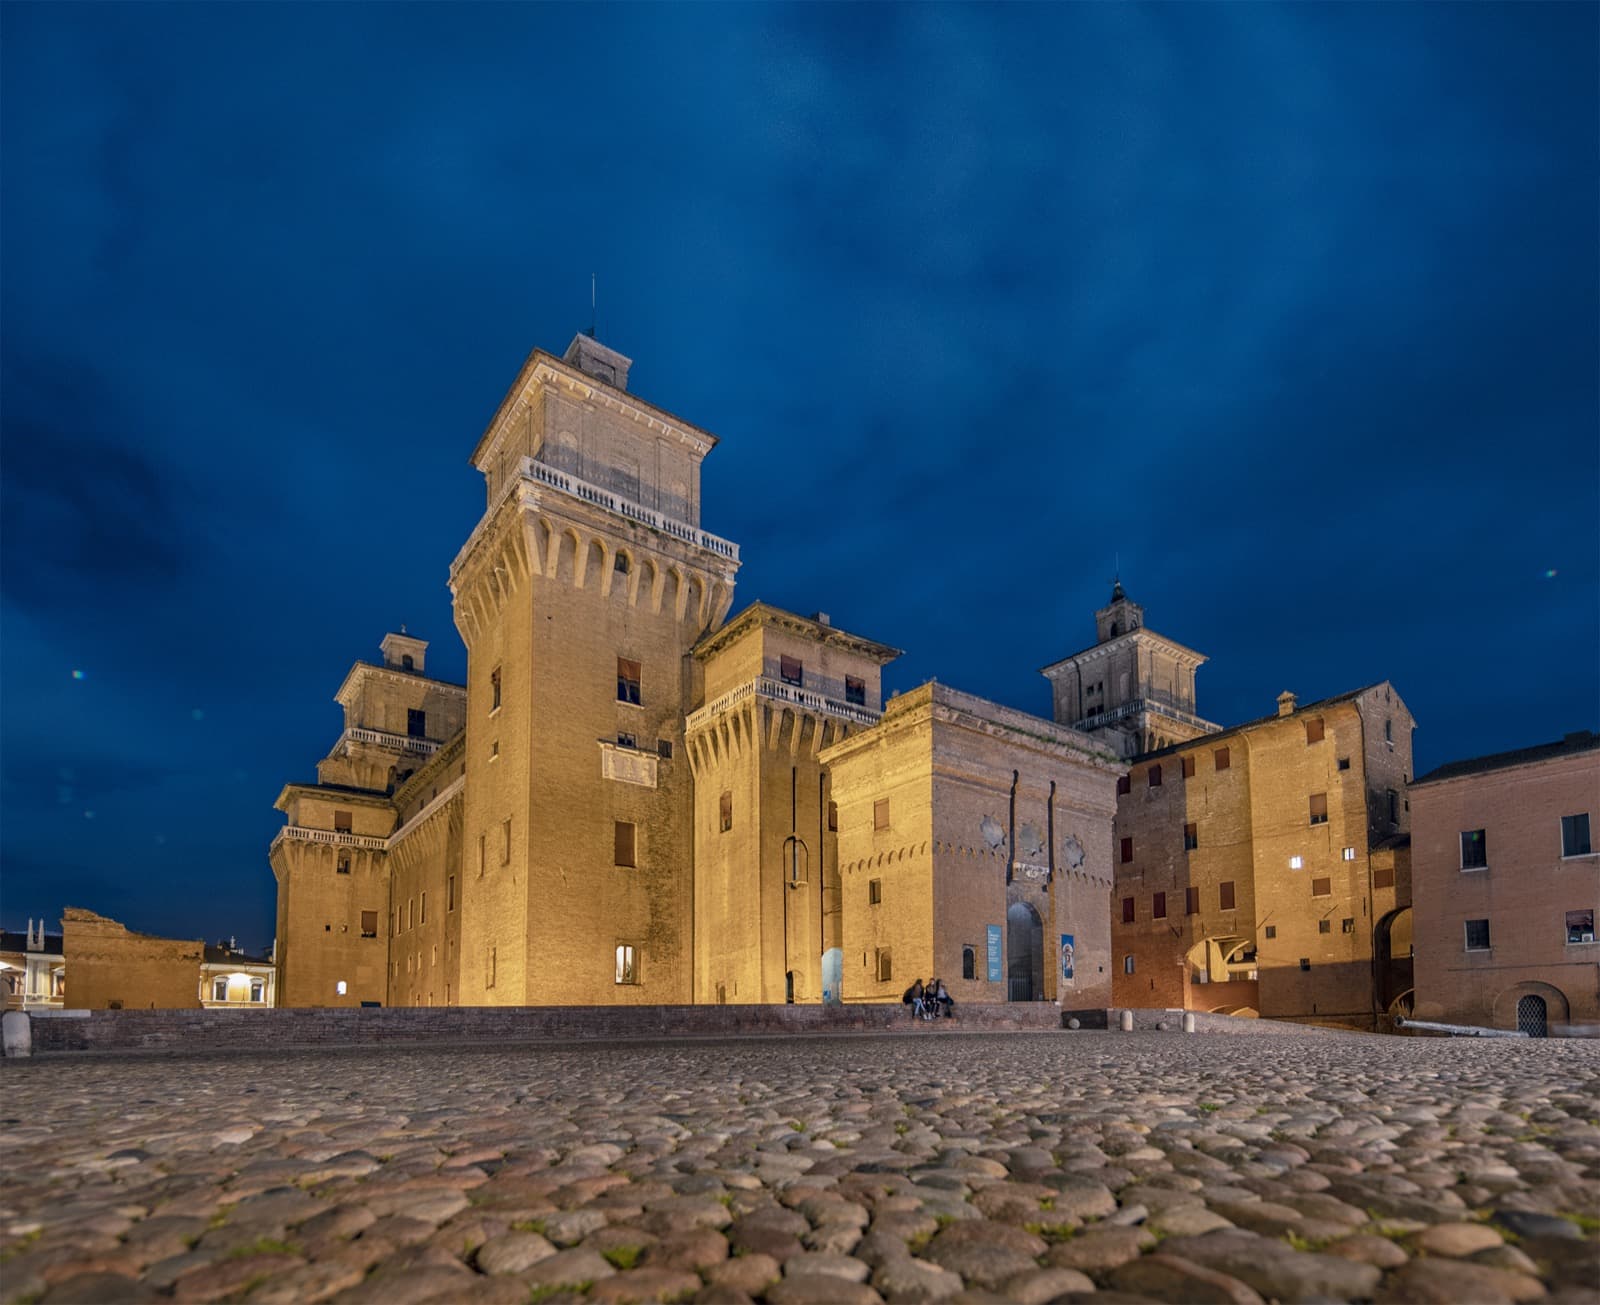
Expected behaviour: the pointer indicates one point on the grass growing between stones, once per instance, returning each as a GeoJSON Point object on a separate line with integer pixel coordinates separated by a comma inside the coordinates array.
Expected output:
{"type": "Point", "coordinates": [1307, 1243]}
{"type": "Point", "coordinates": [529, 1225]}
{"type": "Point", "coordinates": [623, 1258]}
{"type": "Point", "coordinates": [557, 1289]}
{"type": "Point", "coordinates": [1053, 1233]}
{"type": "Point", "coordinates": [1587, 1223]}
{"type": "Point", "coordinates": [1209, 1107]}
{"type": "Point", "coordinates": [264, 1246]}
{"type": "Point", "coordinates": [21, 1244]}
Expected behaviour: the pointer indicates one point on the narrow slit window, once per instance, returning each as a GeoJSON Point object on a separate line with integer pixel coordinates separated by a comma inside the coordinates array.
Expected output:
{"type": "Point", "coordinates": [625, 850]}
{"type": "Point", "coordinates": [1127, 910]}
{"type": "Point", "coordinates": [874, 892]}
{"type": "Point", "coordinates": [1191, 901]}
{"type": "Point", "coordinates": [629, 675]}
{"type": "Point", "coordinates": [1191, 837]}
{"type": "Point", "coordinates": [725, 811]}
{"type": "Point", "coordinates": [1158, 907]}
{"type": "Point", "coordinates": [1127, 850]}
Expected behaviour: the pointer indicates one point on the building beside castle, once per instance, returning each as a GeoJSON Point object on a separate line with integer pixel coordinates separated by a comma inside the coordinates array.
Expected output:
{"type": "Point", "coordinates": [1507, 886]}
{"type": "Point", "coordinates": [634, 799]}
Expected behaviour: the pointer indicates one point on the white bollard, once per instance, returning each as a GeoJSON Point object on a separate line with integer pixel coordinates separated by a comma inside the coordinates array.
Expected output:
{"type": "Point", "coordinates": [1188, 1021]}
{"type": "Point", "coordinates": [1127, 1021]}
{"type": "Point", "coordinates": [18, 1033]}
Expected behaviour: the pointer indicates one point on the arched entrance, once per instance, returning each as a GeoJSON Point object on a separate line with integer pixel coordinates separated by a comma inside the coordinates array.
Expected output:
{"type": "Point", "coordinates": [1533, 1016]}
{"type": "Point", "coordinates": [1024, 952]}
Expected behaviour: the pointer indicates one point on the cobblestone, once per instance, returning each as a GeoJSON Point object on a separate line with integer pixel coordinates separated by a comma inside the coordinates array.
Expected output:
{"type": "Point", "coordinates": [1025, 1167]}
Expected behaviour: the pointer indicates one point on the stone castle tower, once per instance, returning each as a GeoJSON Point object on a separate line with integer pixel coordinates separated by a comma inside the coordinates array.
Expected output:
{"type": "Point", "coordinates": [1133, 688]}
{"type": "Point", "coordinates": [580, 595]}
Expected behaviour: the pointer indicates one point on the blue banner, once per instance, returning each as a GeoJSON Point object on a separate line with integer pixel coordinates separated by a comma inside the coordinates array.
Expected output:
{"type": "Point", "coordinates": [994, 953]}
{"type": "Point", "coordinates": [1066, 957]}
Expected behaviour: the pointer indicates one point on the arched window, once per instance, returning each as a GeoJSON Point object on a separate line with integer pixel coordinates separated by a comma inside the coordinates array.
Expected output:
{"type": "Point", "coordinates": [406, 663]}
{"type": "Point", "coordinates": [969, 963]}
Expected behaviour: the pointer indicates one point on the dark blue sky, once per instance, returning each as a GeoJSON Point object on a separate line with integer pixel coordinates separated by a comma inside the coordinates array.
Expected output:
{"type": "Point", "coordinates": [1293, 307]}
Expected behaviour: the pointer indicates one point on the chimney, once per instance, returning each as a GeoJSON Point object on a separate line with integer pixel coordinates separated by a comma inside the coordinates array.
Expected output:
{"type": "Point", "coordinates": [1286, 703]}
{"type": "Point", "coordinates": [592, 358]}
{"type": "Point", "coordinates": [822, 618]}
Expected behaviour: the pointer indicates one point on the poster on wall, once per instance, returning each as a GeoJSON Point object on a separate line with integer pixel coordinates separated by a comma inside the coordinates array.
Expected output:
{"type": "Point", "coordinates": [994, 953]}
{"type": "Point", "coordinates": [1066, 957]}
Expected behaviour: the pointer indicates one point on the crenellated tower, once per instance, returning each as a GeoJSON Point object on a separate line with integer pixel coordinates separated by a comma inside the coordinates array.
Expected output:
{"type": "Point", "coordinates": [579, 596]}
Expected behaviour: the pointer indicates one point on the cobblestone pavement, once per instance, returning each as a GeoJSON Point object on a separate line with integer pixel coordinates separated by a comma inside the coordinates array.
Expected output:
{"type": "Point", "coordinates": [1086, 1166]}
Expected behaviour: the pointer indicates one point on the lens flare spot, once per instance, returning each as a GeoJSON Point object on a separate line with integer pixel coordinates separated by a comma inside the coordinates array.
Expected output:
{"type": "Point", "coordinates": [79, 675]}
{"type": "Point", "coordinates": [197, 714]}
{"type": "Point", "coordinates": [1550, 574]}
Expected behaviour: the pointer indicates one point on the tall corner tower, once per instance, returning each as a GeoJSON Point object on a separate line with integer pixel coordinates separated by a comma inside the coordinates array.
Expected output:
{"type": "Point", "coordinates": [579, 596]}
{"type": "Point", "coordinates": [1133, 688]}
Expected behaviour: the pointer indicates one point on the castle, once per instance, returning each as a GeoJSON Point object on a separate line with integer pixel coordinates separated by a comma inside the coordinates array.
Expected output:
{"type": "Point", "coordinates": [635, 799]}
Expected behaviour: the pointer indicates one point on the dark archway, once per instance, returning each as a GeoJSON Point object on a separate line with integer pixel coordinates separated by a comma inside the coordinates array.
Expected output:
{"type": "Point", "coordinates": [1024, 953]}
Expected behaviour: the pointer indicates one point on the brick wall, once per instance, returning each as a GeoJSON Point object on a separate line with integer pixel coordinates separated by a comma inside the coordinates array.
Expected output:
{"type": "Point", "coordinates": [203, 1031]}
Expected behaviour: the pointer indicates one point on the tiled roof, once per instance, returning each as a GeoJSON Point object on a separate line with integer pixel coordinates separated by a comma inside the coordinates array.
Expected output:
{"type": "Point", "coordinates": [1581, 741]}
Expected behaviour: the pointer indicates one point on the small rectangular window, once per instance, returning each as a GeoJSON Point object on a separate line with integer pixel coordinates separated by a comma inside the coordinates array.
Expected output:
{"type": "Point", "coordinates": [1127, 850]}
{"type": "Point", "coordinates": [1297, 862]}
{"type": "Point", "coordinates": [1347, 854]}
{"type": "Point", "coordinates": [855, 691]}
{"type": "Point", "coordinates": [219, 988]}
{"type": "Point", "coordinates": [1347, 925]}
{"type": "Point", "coordinates": [1127, 964]}
{"type": "Point", "coordinates": [1223, 760]}
{"type": "Point", "coordinates": [494, 689]}
{"type": "Point", "coordinates": [416, 723]}
{"type": "Point", "coordinates": [1271, 931]}
{"type": "Point", "coordinates": [1474, 850]}
{"type": "Point", "coordinates": [1477, 935]}
{"type": "Point", "coordinates": [833, 817]}
{"type": "Point", "coordinates": [620, 564]}
{"type": "Point", "coordinates": [664, 749]}
{"type": "Point", "coordinates": [1155, 776]}
{"type": "Point", "coordinates": [258, 990]}
{"type": "Point", "coordinates": [1191, 837]}
{"type": "Point", "coordinates": [1580, 926]}
{"type": "Point", "coordinates": [1314, 729]}
{"type": "Point", "coordinates": [791, 670]}
{"type": "Point", "coordinates": [885, 965]}
{"type": "Point", "coordinates": [1321, 887]}
{"type": "Point", "coordinates": [1158, 907]}
{"type": "Point", "coordinates": [1225, 894]}
{"type": "Point", "coordinates": [369, 924]}
{"type": "Point", "coordinates": [1394, 807]}
{"type": "Point", "coordinates": [627, 964]}
{"type": "Point", "coordinates": [343, 867]}
{"type": "Point", "coordinates": [874, 892]}
{"type": "Point", "coordinates": [1575, 835]}
{"type": "Point", "coordinates": [628, 679]}
{"type": "Point", "coordinates": [1191, 901]}
{"type": "Point", "coordinates": [1344, 763]}
{"type": "Point", "coordinates": [1188, 767]}
{"type": "Point", "coordinates": [626, 740]}
{"type": "Point", "coordinates": [1124, 785]}
{"type": "Point", "coordinates": [1319, 808]}
{"type": "Point", "coordinates": [880, 814]}
{"type": "Point", "coordinates": [725, 811]}
{"type": "Point", "coordinates": [1127, 910]}
{"type": "Point", "coordinates": [343, 822]}
{"type": "Point", "coordinates": [505, 841]}
{"type": "Point", "coordinates": [1383, 878]}
{"type": "Point", "coordinates": [623, 840]}
{"type": "Point", "coordinates": [450, 893]}
{"type": "Point", "coordinates": [1324, 926]}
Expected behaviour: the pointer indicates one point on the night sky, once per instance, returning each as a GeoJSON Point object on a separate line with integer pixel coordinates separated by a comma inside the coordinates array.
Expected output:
{"type": "Point", "coordinates": [1293, 309]}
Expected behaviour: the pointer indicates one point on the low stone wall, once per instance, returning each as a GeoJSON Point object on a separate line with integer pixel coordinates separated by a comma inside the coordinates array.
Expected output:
{"type": "Point", "coordinates": [208, 1031]}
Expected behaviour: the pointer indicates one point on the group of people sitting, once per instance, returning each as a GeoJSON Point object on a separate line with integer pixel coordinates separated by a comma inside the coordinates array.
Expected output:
{"type": "Point", "coordinates": [929, 1000]}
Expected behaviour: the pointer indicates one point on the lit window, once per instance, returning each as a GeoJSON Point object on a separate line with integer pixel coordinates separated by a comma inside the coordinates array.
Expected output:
{"type": "Point", "coordinates": [341, 988]}
{"type": "Point", "coordinates": [1477, 935]}
{"type": "Point", "coordinates": [1297, 863]}
{"type": "Point", "coordinates": [1347, 854]}
{"type": "Point", "coordinates": [1575, 835]}
{"type": "Point", "coordinates": [1474, 850]}
{"type": "Point", "coordinates": [627, 964]}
